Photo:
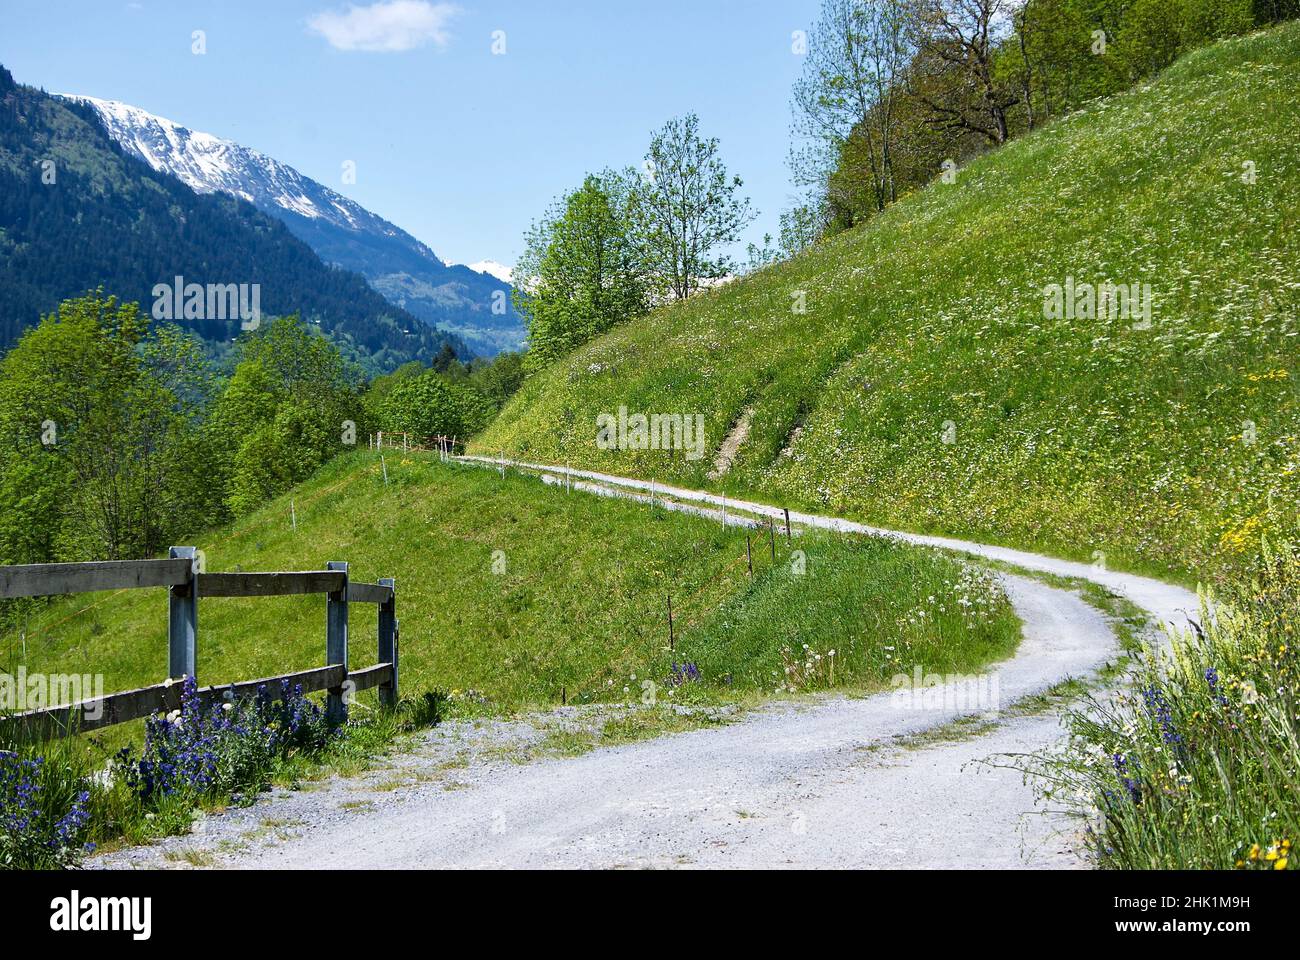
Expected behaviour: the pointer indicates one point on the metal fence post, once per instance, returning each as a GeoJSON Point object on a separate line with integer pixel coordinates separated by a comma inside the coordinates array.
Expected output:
{"type": "Point", "coordinates": [183, 620]}
{"type": "Point", "coordinates": [388, 642]}
{"type": "Point", "coordinates": [336, 641]}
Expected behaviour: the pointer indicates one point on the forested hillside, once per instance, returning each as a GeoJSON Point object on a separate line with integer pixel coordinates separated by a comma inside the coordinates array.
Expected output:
{"type": "Point", "coordinates": [76, 213]}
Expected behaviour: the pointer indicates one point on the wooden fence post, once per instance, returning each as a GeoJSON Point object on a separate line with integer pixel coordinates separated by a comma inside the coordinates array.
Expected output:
{"type": "Point", "coordinates": [388, 642]}
{"type": "Point", "coordinates": [183, 620]}
{"type": "Point", "coordinates": [336, 641]}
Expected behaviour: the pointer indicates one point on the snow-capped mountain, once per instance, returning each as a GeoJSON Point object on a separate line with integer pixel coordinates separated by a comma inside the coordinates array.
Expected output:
{"type": "Point", "coordinates": [461, 299]}
{"type": "Point", "coordinates": [208, 164]}
{"type": "Point", "coordinates": [493, 269]}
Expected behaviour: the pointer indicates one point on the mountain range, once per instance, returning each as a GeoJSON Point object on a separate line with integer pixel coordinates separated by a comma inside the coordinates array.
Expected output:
{"type": "Point", "coordinates": [78, 212]}
{"type": "Point", "coordinates": [472, 302]}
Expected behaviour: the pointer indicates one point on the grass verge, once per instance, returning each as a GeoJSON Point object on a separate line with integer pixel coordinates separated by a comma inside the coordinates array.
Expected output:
{"type": "Point", "coordinates": [1194, 763]}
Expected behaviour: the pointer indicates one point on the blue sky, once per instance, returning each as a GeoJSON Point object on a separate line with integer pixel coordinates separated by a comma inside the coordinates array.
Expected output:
{"type": "Point", "coordinates": [461, 147]}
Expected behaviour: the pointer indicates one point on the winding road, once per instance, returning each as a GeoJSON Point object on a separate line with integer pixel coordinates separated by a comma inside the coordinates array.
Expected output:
{"type": "Point", "coordinates": [824, 783]}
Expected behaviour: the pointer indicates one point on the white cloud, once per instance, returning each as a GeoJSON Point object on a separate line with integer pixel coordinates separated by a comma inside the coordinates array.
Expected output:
{"type": "Point", "coordinates": [387, 27]}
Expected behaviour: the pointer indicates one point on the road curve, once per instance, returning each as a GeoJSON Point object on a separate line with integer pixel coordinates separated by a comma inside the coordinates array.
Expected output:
{"type": "Point", "coordinates": [790, 785]}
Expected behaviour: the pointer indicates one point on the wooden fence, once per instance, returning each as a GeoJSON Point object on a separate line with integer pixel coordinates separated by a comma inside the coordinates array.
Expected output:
{"type": "Point", "coordinates": [186, 582]}
{"type": "Point", "coordinates": [441, 445]}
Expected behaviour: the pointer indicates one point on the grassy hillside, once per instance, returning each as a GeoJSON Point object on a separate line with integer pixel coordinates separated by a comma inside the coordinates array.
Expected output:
{"type": "Point", "coordinates": [518, 591]}
{"type": "Point", "coordinates": [1076, 436]}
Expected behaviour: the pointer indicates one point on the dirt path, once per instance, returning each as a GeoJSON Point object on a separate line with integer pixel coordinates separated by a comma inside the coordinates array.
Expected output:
{"type": "Point", "coordinates": [815, 784]}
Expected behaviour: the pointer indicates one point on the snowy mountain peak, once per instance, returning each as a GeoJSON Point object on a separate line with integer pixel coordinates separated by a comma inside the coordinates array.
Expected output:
{"type": "Point", "coordinates": [341, 231]}
{"type": "Point", "coordinates": [493, 269]}
{"type": "Point", "coordinates": [209, 164]}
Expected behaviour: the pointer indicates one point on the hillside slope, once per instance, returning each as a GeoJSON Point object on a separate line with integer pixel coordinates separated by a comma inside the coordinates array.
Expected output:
{"type": "Point", "coordinates": [528, 595]}
{"type": "Point", "coordinates": [924, 386]}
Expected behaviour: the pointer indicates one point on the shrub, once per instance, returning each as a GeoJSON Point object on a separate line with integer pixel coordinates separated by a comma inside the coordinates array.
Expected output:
{"type": "Point", "coordinates": [428, 405]}
{"type": "Point", "coordinates": [228, 750]}
{"type": "Point", "coordinates": [53, 804]}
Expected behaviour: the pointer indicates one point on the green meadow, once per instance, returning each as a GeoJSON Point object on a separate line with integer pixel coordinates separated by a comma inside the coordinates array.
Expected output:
{"type": "Point", "coordinates": [908, 374]}
{"type": "Point", "coordinates": [522, 595]}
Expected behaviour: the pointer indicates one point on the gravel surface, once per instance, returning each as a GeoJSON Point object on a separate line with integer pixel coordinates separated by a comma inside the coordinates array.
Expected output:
{"type": "Point", "coordinates": [830, 782]}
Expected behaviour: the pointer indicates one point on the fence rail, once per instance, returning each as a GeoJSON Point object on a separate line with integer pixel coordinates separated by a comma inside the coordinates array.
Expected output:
{"type": "Point", "coordinates": [54, 579]}
{"type": "Point", "coordinates": [187, 582]}
{"type": "Point", "coordinates": [269, 584]}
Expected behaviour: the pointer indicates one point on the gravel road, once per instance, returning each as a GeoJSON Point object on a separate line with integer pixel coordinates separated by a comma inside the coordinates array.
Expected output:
{"type": "Point", "coordinates": [831, 782]}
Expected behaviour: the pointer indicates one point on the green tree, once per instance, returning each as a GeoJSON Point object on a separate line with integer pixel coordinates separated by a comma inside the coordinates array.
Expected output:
{"type": "Point", "coordinates": [690, 208]}
{"type": "Point", "coordinates": [500, 378]}
{"type": "Point", "coordinates": [291, 404]}
{"type": "Point", "coordinates": [429, 406]}
{"type": "Point", "coordinates": [583, 269]}
{"type": "Point", "coordinates": [100, 421]}
{"type": "Point", "coordinates": [851, 87]}
{"type": "Point", "coordinates": [801, 226]}
{"type": "Point", "coordinates": [447, 362]}
{"type": "Point", "coordinates": [380, 387]}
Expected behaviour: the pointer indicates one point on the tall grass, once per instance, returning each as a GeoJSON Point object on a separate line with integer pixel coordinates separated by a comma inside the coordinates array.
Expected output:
{"type": "Point", "coordinates": [1196, 764]}
{"type": "Point", "coordinates": [860, 613]}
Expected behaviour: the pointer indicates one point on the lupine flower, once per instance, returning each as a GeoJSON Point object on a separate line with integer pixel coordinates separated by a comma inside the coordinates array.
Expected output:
{"type": "Point", "coordinates": [1158, 708]}
{"type": "Point", "coordinates": [31, 834]}
{"type": "Point", "coordinates": [229, 748]}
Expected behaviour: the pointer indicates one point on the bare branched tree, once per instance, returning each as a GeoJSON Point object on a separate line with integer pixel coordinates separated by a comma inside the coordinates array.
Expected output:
{"type": "Point", "coordinates": [955, 77]}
